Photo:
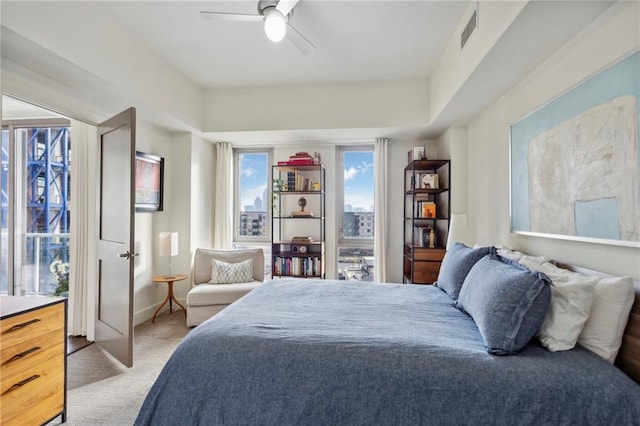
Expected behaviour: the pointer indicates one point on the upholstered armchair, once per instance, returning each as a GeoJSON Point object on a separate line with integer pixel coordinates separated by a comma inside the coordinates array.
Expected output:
{"type": "Point", "coordinates": [219, 278]}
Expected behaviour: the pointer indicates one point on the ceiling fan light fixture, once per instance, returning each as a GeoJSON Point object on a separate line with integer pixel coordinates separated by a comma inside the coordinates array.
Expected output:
{"type": "Point", "coordinates": [275, 24]}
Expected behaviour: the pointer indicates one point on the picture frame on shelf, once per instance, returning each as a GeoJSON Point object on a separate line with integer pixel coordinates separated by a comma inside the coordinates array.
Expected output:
{"type": "Point", "coordinates": [149, 182]}
{"type": "Point", "coordinates": [417, 153]}
{"type": "Point", "coordinates": [429, 181]}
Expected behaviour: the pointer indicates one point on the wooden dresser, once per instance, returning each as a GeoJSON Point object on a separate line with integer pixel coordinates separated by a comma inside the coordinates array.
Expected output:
{"type": "Point", "coordinates": [422, 265]}
{"type": "Point", "coordinates": [34, 364]}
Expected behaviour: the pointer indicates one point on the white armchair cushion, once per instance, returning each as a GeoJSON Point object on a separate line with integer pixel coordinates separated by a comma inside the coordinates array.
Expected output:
{"type": "Point", "coordinates": [216, 295]}
{"type": "Point", "coordinates": [231, 273]}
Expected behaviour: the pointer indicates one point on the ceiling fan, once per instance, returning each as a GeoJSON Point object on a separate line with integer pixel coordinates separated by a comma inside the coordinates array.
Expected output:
{"type": "Point", "coordinates": [276, 16]}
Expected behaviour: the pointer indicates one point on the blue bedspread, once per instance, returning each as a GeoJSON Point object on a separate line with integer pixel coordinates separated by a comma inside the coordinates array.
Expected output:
{"type": "Point", "coordinates": [302, 352]}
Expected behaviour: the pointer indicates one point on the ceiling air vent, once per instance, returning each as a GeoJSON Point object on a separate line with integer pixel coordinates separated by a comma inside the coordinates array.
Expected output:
{"type": "Point", "coordinates": [469, 28]}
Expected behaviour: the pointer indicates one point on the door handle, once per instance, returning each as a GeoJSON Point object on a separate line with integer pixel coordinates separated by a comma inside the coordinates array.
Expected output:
{"type": "Point", "coordinates": [128, 255]}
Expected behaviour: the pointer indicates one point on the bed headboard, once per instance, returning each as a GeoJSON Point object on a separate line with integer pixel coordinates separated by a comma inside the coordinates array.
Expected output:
{"type": "Point", "coordinates": [628, 359]}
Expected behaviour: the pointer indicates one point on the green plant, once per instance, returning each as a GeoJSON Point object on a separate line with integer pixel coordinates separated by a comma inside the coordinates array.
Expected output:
{"type": "Point", "coordinates": [277, 187]}
{"type": "Point", "coordinates": [61, 271]}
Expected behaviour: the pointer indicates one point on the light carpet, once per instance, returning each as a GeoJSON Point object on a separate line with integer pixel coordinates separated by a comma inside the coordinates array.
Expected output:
{"type": "Point", "coordinates": [101, 391]}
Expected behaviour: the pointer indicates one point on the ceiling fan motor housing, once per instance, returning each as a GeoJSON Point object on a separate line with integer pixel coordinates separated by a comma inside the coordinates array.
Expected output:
{"type": "Point", "coordinates": [264, 4]}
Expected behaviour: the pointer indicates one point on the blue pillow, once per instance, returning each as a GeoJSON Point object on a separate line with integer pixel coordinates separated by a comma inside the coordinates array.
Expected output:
{"type": "Point", "coordinates": [507, 301]}
{"type": "Point", "coordinates": [456, 264]}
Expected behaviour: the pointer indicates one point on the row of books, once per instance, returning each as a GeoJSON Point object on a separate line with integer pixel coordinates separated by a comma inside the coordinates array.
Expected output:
{"type": "Point", "coordinates": [297, 162]}
{"type": "Point", "coordinates": [298, 159]}
{"type": "Point", "coordinates": [297, 266]}
{"type": "Point", "coordinates": [298, 182]}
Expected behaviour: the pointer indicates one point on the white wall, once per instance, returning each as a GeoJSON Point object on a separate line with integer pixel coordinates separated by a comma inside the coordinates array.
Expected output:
{"type": "Point", "coordinates": [611, 37]}
{"type": "Point", "coordinates": [398, 160]}
{"type": "Point", "coordinates": [90, 65]}
{"type": "Point", "coordinates": [455, 66]}
{"type": "Point", "coordinates": [202, 192]}
{"type": "Point", "coordinates": [452, 145]}
{"type": "Point", "coordinates": [329, 106]}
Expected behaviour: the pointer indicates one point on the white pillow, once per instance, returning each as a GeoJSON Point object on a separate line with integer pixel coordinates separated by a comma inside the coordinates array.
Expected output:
{"type": "Point", "coordinates": [510, 254]}
{"type": "Point", "coordinates": [602, 333]}
{"type": "Point", "coordinates": [572, 296]}
{"type": "Point", "coordinates": [231, 273]}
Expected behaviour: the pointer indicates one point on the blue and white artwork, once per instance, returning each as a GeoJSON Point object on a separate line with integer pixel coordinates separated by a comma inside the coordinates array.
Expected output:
{"type": "Point", "coordinates": [575, 162]}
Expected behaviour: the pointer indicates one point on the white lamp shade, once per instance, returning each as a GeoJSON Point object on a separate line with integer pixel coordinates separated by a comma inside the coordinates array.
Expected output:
{"type": "Point", "coordinates": [168, 243]}
{"type": "Point", "coordinates": [458, 230]}
{"type": "Point", "coordinates": [275, 24]}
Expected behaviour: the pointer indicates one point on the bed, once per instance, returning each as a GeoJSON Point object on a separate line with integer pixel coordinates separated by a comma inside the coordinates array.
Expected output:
{"type": "Point", "coordinates": [309, 352]}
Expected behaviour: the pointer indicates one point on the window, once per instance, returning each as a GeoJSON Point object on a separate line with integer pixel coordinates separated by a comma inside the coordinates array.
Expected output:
{"type": "Point", "coordinates": [356, 213]}
{"type": "Point", "coordinates": [35, 207]}
{"type": "Point", "coordinates": [252, 211]}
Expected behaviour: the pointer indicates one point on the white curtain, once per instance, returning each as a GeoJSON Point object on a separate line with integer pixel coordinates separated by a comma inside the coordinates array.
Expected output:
{"type": "Point", "coordinates": [82, 264]}
{"type": "Point", "coordinates": [223, 208]}
{"type": "Point", "coordinates": [380, 209]}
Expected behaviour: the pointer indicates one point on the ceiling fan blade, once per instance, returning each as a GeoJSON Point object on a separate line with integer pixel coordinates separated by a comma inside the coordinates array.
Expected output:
{"type": "Point", "coordinates": [299, 41]}
{"type": "Point", "coordinates": [285, 6]}
{"type": "Point", "coordinates": [238, 17]}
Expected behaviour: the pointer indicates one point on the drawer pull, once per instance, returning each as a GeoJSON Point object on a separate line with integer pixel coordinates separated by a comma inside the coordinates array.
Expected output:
{"type": "Point", "coordinates": [22, 383]}
{"type": "Point", "coordinates": [22, 354]}
{"type": "Point", "coordinates": [23, 325]}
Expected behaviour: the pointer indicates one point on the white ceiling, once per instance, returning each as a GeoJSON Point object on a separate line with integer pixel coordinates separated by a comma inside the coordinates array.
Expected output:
{"type": "Point", "coordinates": [356, 40]}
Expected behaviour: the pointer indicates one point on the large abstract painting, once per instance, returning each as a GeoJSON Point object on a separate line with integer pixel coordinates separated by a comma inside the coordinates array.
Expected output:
{"type": "Point", "coordinates": [575, 162]}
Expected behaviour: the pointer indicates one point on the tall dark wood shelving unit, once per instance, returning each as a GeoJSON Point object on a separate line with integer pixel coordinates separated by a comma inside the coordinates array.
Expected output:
{"type": "Point", "coordinates": [298, 258]}
{"type": "Point", "coordinates": [421, 263]}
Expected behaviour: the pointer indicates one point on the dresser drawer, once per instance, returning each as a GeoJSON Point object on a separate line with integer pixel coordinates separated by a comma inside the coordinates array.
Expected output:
{"type": "Point", "coordinates": [20, 328]}
{"type": "Point", "coordinates": [31, 396]}
{"type": "Point", "coordinates": [32, 352]}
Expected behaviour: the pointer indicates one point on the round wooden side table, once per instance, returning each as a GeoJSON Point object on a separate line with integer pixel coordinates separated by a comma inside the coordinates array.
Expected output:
{"type": "Point", "coordinates": [170, 296]}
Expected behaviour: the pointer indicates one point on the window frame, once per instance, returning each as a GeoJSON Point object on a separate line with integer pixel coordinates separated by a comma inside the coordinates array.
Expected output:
{"type": "Point", "coordinates": [342, 241]}
{"type": "Point", "coordinates": [16, 210]}
{"type": "Point", "coordinates": [243, 239]}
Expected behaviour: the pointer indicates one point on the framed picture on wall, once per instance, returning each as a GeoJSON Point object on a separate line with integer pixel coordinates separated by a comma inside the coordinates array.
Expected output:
{"type": "Point", "coordinates": [574, 162]}
{"type": "Point", "coordinates": [149, 182]}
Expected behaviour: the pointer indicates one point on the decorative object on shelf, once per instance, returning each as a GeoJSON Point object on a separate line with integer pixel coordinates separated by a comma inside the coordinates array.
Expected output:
{"type": "Point", "coordinates": [317, 160]}
{"type": "Point", "coordinates": [429, 181]}
{"type": "Point", "coordinates": [429, 209]}
{"type": "Point", "coordinates": [432, 239]}
{"type": "Point", "coordinates": [299, 248]}
{"type": "Point", "coordinates": [458, 230]}
{"type": "Point", "coordinates": [418, 153]}
{"type": "Point", "coordinates": [277, 187]}
{"type": "Point", "coordinates": [302, 202]}
{"type": "Point", "coordinates": [149, 182]}
{"type": "Point", "coordinates": [168, 247]}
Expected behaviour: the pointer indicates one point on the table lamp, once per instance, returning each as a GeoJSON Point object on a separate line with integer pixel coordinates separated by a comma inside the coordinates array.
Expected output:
{"type": "Point", "coordinates": [168, 246]}
{"type": "Point", "coordinates": [458, 229]}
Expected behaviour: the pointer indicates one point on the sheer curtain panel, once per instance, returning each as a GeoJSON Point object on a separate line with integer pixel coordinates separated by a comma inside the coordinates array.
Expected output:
{"type": "Point", "coordinates": [223, 208]}
{"type": "Point", "coordinates": [380, 209]}
{"type": "Point", "coordinates": [82, 263]}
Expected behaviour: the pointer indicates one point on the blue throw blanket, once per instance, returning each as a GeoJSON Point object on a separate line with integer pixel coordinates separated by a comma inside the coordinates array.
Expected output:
{"type": "Point", "coordinates": [306, 352]}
